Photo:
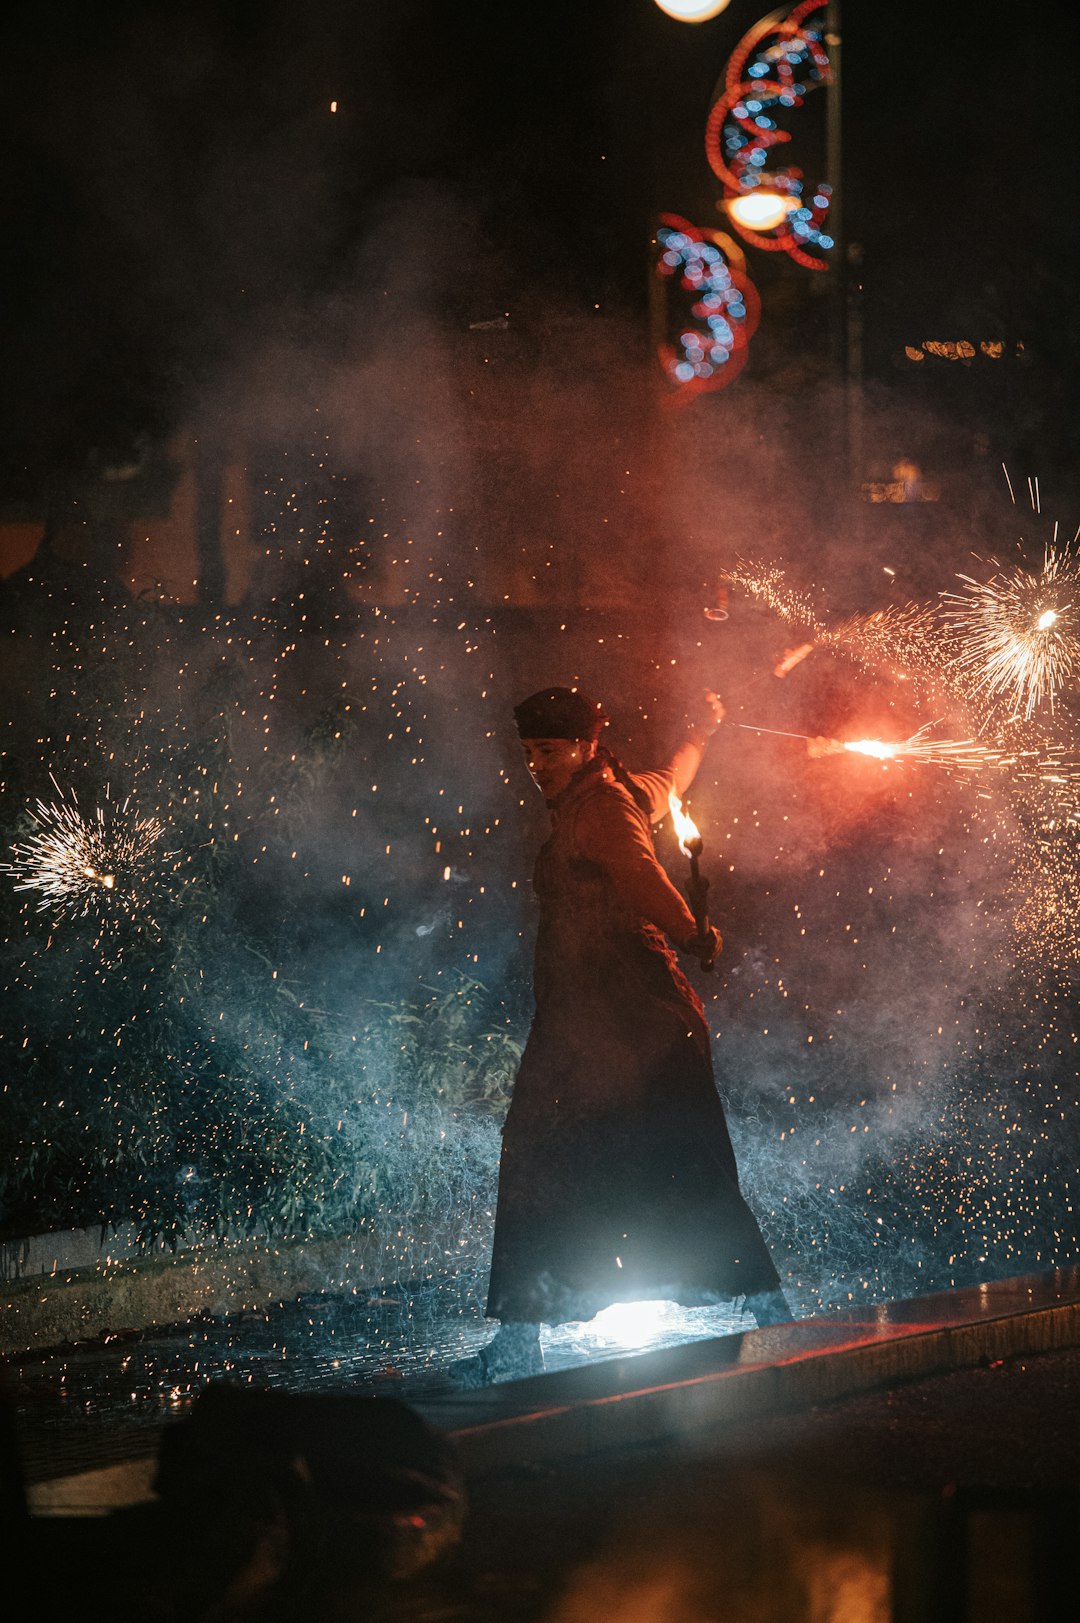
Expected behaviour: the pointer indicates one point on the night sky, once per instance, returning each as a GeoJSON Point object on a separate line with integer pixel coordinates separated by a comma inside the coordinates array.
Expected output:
{"type": "Point", "coordinates": [178, 195]}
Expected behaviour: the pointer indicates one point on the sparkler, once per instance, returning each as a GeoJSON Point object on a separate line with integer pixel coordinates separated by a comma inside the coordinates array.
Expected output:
{"type": "Point", "coordinates": [964, 755]}
{"type": "Point", "coordinates": [78, 864]}
{"type": "Point", "coordinates": [998, 654]}
{"type": "Point", "coordinates": [691, 845]}
{"type": "Point", "coordinates": [961, 755]}
{"type": "Point", "coordinates": [1016, 635]}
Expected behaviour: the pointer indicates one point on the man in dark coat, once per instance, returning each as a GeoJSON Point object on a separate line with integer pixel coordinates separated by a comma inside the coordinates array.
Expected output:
{"type": "Point", "coordinates": [617, 1180]}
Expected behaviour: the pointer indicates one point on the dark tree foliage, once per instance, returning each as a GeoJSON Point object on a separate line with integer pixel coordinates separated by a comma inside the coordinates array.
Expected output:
{"type": "Point", "coordinates": [168, 1057]}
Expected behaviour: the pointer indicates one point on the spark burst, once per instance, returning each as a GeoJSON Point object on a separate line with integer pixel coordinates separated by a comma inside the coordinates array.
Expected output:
{"type": "Point", "coordinates": [79, 865]}
{"type": "Point", "coordinates": [1015, 635]}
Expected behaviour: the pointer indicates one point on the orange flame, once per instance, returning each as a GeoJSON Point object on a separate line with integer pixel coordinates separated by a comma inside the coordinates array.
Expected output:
{"type": "Point", "coordinates": [874, 747]}
{"type": "Point", "coordinates": [685, 827]}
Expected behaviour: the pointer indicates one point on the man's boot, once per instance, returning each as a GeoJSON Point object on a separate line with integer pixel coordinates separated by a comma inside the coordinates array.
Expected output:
{"type": "Point", "coordinates": [513, 1353]}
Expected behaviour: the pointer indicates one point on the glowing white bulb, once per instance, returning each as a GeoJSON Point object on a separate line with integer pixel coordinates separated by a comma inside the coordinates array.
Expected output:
{"type": "Point", "coordinates": [692, 11]}
{"type": "Point", "coordinates": [759, 210]}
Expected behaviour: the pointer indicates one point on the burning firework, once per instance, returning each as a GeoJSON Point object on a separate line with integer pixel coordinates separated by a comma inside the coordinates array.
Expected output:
{"type": "Point", "coordinates": [1015, 635]}
{"type": "Point", "coordinates": [79, 865]}
{"type": "Point", "coordinates": [965, 755]}
{"type": "Point", "coordinates": [962, 755]}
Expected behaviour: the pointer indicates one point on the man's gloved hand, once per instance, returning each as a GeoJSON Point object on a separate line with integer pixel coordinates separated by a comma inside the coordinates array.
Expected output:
{"type": "Point", "coordinates": [705, 948]}
{"type": "Point", "coordinates": [707, 713]}
{"type": "Point", "coordinates": [715, 709]}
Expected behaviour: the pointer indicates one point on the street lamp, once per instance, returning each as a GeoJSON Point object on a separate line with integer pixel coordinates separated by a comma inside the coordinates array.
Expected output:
{"type": "Point", "coordinates": [759, 210]}
{"type": "Point", "coordinates": [692, 11]}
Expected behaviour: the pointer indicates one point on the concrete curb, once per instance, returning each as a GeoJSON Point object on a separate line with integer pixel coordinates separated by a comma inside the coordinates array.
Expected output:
{"type": "Point", "coordinates": [771, 1378]}
{"type": "Point", "coordinates": [84, 1304]}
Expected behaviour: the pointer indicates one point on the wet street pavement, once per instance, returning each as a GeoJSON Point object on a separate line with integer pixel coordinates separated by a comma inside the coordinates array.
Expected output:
{"type": "Point", "coordinates": [87, 1405]}
{"type": "Point", "coordinates": [953, 1498]}
{"type": "Point", "coordinates": [916, 1463]}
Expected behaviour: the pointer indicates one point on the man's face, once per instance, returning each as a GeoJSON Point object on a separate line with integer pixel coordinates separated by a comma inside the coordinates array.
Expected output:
{"type": "Point", "coordinates": [553, 761]}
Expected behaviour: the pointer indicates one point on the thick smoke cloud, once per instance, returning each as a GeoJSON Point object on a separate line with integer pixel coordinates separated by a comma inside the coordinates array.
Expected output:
{"type": "Point", "coordinates": [464, 488]}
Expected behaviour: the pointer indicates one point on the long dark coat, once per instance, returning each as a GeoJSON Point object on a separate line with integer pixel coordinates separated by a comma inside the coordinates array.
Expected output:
{"type": "Point", "coordinates": [617, 1180]}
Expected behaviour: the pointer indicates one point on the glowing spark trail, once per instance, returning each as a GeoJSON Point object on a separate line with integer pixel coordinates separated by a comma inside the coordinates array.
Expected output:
{"type": "Point", "coordinates": [962, 755]}
{"type": "Point", "coordinates": [906, 638]}
{"type": "Point", "coordinates": [966, 754]}
{"type": "Point", "coordinates": [74, 863]}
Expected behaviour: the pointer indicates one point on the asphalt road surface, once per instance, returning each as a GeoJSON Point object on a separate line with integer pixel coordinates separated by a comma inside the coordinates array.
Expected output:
{"type": "Point", "coordinates": [951, 1498]}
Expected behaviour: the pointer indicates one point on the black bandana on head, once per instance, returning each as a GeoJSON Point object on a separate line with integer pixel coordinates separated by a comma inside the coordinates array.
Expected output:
{"type": "Point", "coordinates": [559, 713]}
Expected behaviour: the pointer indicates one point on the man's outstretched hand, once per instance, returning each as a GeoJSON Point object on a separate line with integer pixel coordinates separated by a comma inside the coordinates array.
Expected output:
{"type": "Point", "coordinates": [704, 717]}
{"type": "Point", "coordinates": [710, 712]}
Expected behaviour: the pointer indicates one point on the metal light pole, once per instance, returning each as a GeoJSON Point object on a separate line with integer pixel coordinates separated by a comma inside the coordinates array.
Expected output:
{"type": "Point", "coordinates": [847, 337]}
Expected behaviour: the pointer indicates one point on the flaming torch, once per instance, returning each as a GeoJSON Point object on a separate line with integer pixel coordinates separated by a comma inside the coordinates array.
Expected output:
{"type": "Point", "coordinates": [697, 889]}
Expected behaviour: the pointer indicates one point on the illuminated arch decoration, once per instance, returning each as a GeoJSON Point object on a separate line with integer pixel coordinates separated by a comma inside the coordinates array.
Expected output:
{"type": "Point", "coordinates": [774, 67]}
{"type": "Point", "coordinates": [712, 333]}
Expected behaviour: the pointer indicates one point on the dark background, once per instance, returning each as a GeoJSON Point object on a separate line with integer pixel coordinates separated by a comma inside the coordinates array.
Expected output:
{"type": "Point", "coordinates": [176, 194]}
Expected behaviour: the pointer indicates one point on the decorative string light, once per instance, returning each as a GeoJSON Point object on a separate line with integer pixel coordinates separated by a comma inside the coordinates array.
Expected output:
{"type": "Point", "coordinates": [772, 70]}
{"type": "Point", "coordinates": [710, 345]}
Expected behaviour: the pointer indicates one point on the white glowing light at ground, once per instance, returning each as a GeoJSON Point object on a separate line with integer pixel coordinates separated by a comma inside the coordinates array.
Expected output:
{"type": "Point", "coordinates": [692, 11]}
{"type": "Point", "coordinates": [632, 1324]}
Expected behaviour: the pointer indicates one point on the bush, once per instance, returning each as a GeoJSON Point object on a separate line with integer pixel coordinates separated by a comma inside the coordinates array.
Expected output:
{"type": "Point", "coordinates": [165, 1061]}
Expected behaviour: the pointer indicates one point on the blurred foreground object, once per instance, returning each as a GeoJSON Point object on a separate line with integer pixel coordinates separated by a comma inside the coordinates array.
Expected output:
{"type": "Point", "coordinates": [310, 1498]}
